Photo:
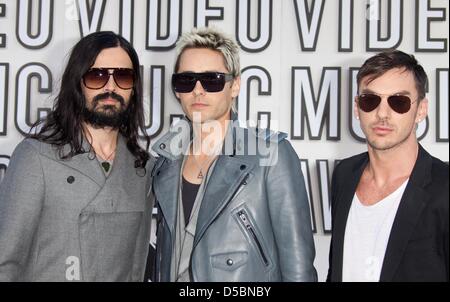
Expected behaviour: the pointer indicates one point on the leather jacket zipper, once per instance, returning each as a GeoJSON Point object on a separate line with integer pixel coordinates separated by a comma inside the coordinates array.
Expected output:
{"type": "Point", "coordinates": [248, 226]}
{"type": "Point", "coordinates": [239, 188]}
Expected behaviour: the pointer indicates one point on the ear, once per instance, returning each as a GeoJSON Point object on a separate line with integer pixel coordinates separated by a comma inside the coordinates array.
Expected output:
{"type": "Point", "coordinates": [235, 87]}
{"type": "Point", "coordinates": [355, 108]}
{"type": "Point", "coordinates": [422, 110]}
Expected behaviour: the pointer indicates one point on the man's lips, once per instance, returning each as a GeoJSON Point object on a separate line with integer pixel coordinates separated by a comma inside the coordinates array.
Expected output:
{"type": "Point", "coordinates": [109, 101]}
{"type": "Point", "coordinates": [199, 105]}
{"type": "Point", "coordinates": [382, 130]}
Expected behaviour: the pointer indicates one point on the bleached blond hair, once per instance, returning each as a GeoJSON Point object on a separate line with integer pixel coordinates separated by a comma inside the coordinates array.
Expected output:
{"type": "Point", "coordinates": [211, 38]}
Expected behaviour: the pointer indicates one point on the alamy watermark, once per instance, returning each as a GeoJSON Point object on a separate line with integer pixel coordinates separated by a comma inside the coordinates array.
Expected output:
{"type": "Point", "coordinates": [211, 138]}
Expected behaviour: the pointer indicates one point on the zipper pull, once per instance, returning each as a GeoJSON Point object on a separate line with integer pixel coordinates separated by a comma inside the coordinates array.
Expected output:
{"type": "Point", "coordinates": [243, 216]}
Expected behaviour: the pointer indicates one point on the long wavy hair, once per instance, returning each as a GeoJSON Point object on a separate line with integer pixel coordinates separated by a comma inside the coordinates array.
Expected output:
{"type": "Point", "coordinates": [63, 125]}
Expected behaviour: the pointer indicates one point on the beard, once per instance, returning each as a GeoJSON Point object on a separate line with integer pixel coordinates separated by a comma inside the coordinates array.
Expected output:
{"type": "Point", "coordinates": [101, 116]}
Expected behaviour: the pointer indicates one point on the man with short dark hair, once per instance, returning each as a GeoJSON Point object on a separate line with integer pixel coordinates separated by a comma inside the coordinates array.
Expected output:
{"type": "Point", "coordinates": [73, 203]}
{"type": "Point", "coordinates": [390, 205]}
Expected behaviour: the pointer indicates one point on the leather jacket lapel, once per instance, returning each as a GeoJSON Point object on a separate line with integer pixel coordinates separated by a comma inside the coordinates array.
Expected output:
{"type": "Point", "coordinates": [228, 175]}
{"type": "Point", "coordinates": [166, 190]}
{"type": "Point", "coordinates": [166, 174]}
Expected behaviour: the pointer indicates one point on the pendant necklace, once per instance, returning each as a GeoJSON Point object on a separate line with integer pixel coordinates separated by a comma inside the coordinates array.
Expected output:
{"type": "Point", "coordinates": [201, 167]}
{"type": "Point", "coordinates": [105, 163]}
{"type": "Point", "coordinates": [200, 174]}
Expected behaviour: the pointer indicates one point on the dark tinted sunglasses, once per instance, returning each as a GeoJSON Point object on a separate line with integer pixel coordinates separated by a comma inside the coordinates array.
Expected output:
{"type": "Point", "coordinates": [367, 102]}
{"type": "Point", "coordinates": [211, 81]}
{"type": "Point", "coordinates": [96, 78]}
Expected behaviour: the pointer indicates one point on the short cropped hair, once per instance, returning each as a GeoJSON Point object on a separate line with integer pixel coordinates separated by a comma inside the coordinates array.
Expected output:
{"type": "Point", "coordinates": [379, 64]}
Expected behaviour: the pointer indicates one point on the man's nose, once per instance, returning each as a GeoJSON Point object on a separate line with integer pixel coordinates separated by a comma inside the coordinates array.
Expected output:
{"type": "Point", "coordinates": [198, 89]}
{"type": "Point", "coordinates": [111, 84]}
{"type": "Point", "coordinates": [383, 110]}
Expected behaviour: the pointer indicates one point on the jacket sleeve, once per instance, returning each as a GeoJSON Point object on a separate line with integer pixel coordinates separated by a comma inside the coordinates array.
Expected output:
{"type": "Point", "coordinates": [21, 200]}
{"type": "Point", "coordinates": [290, 215]}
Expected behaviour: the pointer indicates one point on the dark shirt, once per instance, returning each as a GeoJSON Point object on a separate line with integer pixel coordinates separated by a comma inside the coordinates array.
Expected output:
{"type": "Point", "coordinates": [189, 193]}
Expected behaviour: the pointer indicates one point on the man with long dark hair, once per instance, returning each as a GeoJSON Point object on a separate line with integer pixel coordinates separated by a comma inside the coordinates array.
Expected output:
{"type": "Point", "coordinates": [74, 203]}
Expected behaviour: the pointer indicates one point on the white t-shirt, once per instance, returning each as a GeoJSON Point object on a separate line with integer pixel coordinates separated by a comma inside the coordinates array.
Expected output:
{"type": "Point", "coordinates": [366, 237]}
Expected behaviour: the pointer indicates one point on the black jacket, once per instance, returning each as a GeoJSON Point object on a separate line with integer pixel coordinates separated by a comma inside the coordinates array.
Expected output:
{"type": "Point", "coordinates": [418, 246]}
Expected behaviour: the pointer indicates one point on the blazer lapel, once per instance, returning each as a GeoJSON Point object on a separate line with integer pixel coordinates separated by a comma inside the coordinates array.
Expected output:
{"type": "Point", "coordinates": [343, 204]}
{"type": "Point", "coordinates": [411, 206]}
{"type": "Point", "coordinates": [122, 188]}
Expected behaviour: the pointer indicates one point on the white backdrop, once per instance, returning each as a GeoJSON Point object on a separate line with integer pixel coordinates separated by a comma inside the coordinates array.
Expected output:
{"type": "Point", "coordinates": [299, 59]}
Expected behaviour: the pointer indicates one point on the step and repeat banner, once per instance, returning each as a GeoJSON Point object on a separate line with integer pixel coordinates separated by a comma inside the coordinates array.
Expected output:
{"type": "Point", "coordinates": [299, 63]}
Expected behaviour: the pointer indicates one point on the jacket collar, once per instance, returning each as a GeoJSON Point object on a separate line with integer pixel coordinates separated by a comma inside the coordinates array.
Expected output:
{"type": "Point", "coordinates": [175, 142]}
{"type": "Point", "coordinates": [85, 163]}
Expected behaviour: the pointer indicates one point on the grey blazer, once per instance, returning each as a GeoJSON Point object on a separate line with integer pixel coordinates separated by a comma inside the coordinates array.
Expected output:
{"type": "Point", "coordinates": [63, 220]}
{"type": "Point", "coordinates": [254, 221]}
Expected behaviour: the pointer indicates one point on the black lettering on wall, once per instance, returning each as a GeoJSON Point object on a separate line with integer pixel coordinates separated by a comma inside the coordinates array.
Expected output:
{"type": "Point", "coordinates": [424, 16]}
{"type": "Point", "coordinates": [264, 27]}
{"type": "Point", "coordinates": [4, 80]}
{"type": "Point", "coordinates": [91, 16]}
{"type": "Point", "coordinates": [26, 73]}
{"type": "Point", "coordinates": [204, 12]}
{"type": "Point", "coordinates": [309, 20]}
{"type": "Point", "coordinates": [154, 39]}
{"type": "Point", "coordinates": [24, 21]}
{"type": "Point", "coordinates": [312, 111]}
{"type": "Point", "coordinates": [374, 40]}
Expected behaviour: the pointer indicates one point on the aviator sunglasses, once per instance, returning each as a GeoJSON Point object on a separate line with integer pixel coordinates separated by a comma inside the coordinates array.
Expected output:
{"type": "Point", "coordinates": [211, 81]}
{"type": "Point", "coordinates": [367, 102]}
{"type": "Point", "coordinates": [96, 78]}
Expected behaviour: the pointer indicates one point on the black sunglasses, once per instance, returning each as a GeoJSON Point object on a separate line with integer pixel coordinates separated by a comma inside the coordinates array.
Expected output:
{"type": "Point", "coordinates": [96, 78]}
{"type": "Point", "coordinates": [367, 102]}
{"type": "Point", "coordinates": [211, 81]}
